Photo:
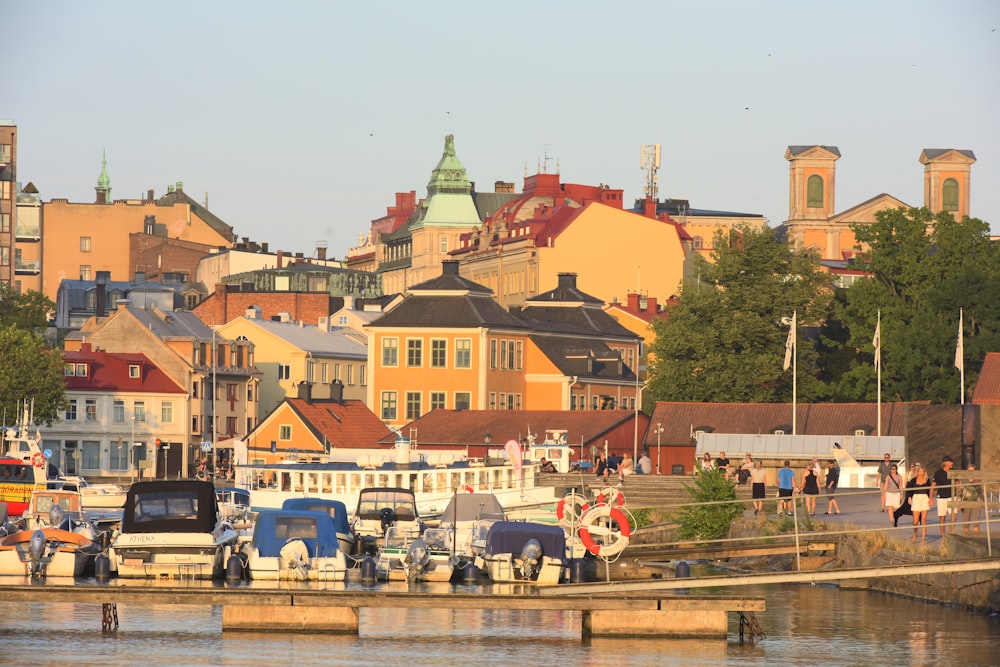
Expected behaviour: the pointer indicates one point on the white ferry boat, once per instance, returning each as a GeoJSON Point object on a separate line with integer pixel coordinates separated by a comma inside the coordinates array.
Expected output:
{"type": "Point", "coordinates": [434, 476]}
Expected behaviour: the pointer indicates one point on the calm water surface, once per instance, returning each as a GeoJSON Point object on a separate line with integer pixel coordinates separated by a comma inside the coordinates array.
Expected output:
{"type": "Point", "coordinates": [805, 625]}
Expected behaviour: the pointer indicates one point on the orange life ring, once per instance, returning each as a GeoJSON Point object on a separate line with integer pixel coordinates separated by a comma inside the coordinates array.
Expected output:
{"type": "Point", "coordinates": [571, 515]}
{"type": "Point", "coordinates": [38, 460]}
{"type": "Point", "coordinates": [621, 537]}
{"type": "Point", "coordinates": [619, 500]}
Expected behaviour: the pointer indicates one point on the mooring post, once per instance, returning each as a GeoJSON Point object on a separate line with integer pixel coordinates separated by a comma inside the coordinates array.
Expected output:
{"type": "Point", "coordinates": [109, 617]}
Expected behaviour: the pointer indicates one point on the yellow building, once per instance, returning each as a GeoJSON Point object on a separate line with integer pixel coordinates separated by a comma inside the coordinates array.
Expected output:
{"type": "Point", "coordinates": [812, 222]}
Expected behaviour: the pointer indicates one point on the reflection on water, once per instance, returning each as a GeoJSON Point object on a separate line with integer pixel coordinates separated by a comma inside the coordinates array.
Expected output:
{"type": "Point", "coordinates": [805, 625]}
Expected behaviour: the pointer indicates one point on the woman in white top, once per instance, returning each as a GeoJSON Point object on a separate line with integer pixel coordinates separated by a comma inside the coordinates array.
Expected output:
{"type": "Point", "coordinates": [892, 490]}
{"type": "Point", "coordinates": [707, 463]}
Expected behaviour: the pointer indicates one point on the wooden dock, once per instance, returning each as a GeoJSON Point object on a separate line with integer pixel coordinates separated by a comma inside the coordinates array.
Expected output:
{"type": "Point", "coordinates": [250, 608]}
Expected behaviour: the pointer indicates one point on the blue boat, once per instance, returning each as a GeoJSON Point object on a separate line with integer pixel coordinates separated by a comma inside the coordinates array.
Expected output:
{"type": "Point", "coordinates": [296, 545]}
{"type": "Point", "coordinates": [336, 509]}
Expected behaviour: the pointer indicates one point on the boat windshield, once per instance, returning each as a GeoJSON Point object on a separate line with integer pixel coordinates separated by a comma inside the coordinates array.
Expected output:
{"type": "Point", "coordinates": [400, 501]}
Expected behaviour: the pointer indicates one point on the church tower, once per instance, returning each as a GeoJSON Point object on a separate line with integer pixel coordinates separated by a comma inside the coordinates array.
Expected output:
{"type": "Point", "coordinates": [946, 180]}
{"type": "Point", "coordinates": [811, 188]}
{"type": "Point", "coordinates": [103, 182]}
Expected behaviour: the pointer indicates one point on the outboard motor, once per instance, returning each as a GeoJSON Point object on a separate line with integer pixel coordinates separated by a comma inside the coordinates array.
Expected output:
{"type": "Point", "coordinates": [36, 552]}
{"type": "Point", "coordinates": [295, 556]}
{"type": "Point", "coordinates": [387, 517]}
{"type": "Point", "coordinates": [416, 558]}
{"type": "Point", "coordinates": [531, 558]}
{"type": "Point", "coordinates": [55, 516]}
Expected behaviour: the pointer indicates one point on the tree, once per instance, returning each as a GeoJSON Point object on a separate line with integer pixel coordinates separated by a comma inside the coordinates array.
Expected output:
{"type": "Point", "coordinates": [30, 371]}
{"type": "Point", "coordinates": [725, 339]}
{"type": "Point", "coordinates": [925, 267]}
{"type": "Point", "coordinates": [713, 519]}
{"type": "Point", "coordinates": [28, 310]}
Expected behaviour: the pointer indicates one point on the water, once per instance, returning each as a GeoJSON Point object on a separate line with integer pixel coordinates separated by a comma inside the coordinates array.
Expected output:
{"type": "Point", "coordinates": [805, 625]}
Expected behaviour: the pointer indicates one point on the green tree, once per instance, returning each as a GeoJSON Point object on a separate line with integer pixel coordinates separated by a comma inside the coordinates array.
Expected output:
{"type": "Point", "coordinates": [30, 371]}
{"type": "Point", "coordinates": [712, 519]}
{"type": "Point", "coordinates": [725, 339]}
{"type": "Point", "coordinates": [925, 267]}
{"type": "Point", "coordinates": [28, 310]}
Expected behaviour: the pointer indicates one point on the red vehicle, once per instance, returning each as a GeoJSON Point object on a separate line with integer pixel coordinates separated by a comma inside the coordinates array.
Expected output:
{"type": "Point", "coordinates": [17, 480]}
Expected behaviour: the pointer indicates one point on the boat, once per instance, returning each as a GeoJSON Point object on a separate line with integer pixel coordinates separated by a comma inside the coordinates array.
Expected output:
{"type": "Point", "coordinates": [46, 552]}
{"type": "Point", "coordinates": [522, 551]}
{"type": "Point", "coordinates": [407, 555]}
{"type": "Point", "coordinates": [296, 545]}
{"type": "Point", "coordinates": [378, 509]}
{"type": "Point", "coordinates": [467, 520]}
{"type": "Point", "coordinates": [172, 528]}
{"type": "Point", "coordinates": [434, 476]}
{"type": "Point", "coordinates": [234, 503]}
{"type": "Point", "coordinates": [337, 510]}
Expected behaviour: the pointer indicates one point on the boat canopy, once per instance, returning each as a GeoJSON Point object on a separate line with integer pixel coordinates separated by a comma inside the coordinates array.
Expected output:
{"type": "Point", "coordinates": [179, 506]}
{"type": "Point", "coordinates": [373, 500]}
{"type": "Point", "coordinates": [336, 509]}
{"type": "Point", "coordinates": [274, 528]}
{"type": "Point", "coordinates": [506, 537]}
{"type": "Point", "coordinates": [471, 507]}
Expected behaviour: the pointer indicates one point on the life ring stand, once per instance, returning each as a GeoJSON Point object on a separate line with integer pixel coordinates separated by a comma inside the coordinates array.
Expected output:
{"type": "Point", "coordinates": [609, 495]}
{"type": "Point", "coordinates": [38, 460]}
{"type": "Point", "coordinates": [571, 509]}
{"type": "Point", "coordinates": [600, 521]}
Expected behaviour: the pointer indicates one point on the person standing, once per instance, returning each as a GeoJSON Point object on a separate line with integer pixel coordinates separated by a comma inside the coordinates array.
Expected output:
{"type": "Point", "coordinates": [918, 490]}
{"type": "Point", "coordinates": [810, 487]}
{"type": "Point", "coordinates": [971, 491]}
{"type": "Point", "coordinates": [941, 494]}
{"type": "Point", "coordinates": [786, 487]}
{"type": "Point", "coordinates": [883, 472]}
{"type": "Point", "coordinates": [832, 480]}
{"type": "Point", "coordinates": [891, 493]}
{"type": "Point", "coordinates": [758, 480]}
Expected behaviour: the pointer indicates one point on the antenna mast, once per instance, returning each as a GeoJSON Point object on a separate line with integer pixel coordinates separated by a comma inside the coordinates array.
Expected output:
{"type": "Point", "coordinates": [650, 164]}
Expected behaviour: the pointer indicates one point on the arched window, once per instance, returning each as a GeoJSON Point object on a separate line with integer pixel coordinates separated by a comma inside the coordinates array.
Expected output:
{"type": "Point", "coordinates": [814, 191]}
{"type": "Point", "coordinates": [949, 195]}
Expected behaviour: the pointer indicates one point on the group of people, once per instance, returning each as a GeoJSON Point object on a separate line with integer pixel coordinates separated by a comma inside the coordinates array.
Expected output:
{"type": "Point", "coordinates": [789, 485]}
{"type": "Point", "coordinates": [622, 465]}
{"type": "Point", "coordinates": [918, 492]}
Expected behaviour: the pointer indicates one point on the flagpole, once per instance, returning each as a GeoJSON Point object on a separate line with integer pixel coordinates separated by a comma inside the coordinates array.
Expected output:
{"type": "Point", "coordinates": [795, 371]}
{"type": "Point", "coordinates": [878, 370]}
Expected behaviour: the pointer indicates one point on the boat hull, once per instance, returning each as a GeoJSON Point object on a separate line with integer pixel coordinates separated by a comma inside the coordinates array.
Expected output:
{"type": "Point", "coordinates": [171, 555]}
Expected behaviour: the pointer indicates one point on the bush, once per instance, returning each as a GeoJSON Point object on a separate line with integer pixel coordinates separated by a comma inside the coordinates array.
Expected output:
{"type": "Point", "coordinates": [709, 521]}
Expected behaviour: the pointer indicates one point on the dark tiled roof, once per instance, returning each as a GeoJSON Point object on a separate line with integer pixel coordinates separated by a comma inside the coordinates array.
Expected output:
{"type": "Point", "coordinates": [934, 152]}
{"type": "Point", "coordinates": [461, 311]}
{"type": "Point", "coordinates": [347, 424]}
{"type": "Point", "coordinates": [467, 427]}
{"type": "Point", "coordinates": [987, 391]}
{"type": "Point", "coordinates": [680, 420]}
{"type": "Point", "coordinates": [560, 319]}
{"type": "Point", "coordinates": [584, 358]}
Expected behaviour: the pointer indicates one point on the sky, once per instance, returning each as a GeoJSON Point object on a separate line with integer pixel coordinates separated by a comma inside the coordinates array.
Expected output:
{"type": "Point", "coordinates": [299, 121]}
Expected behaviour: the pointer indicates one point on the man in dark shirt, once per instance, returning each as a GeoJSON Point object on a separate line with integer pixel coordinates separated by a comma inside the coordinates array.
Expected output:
{"type": "Point", "coordinates": [941, 493]}
{"type": "Point", "coordinates": [722, 463]}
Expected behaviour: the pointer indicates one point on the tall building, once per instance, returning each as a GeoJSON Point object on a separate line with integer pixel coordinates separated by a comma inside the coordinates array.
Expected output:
{"type": "Point", "coordinates": [8, 193]}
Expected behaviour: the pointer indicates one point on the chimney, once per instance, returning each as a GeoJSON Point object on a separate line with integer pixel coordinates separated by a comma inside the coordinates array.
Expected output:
{"type": "Point", "coordinates": [337, 391]}
{"type": "Point", "coordinates": [101, 293]}
{"type": "Point", "coordinates": [649, 208]}
{"type": "Point", "coordinates": [449, 267]}
{"type": "Point", "coordinates": [281, 258]}
{"type": "Point", "coordinates": [149, 196]}
{"type": "Point", "coordinates": [567, 280]}
{"type": "Point", "coordinates": [149, 224]}
{"type": "Point", "coordinates": [180, 186]}
{"type": "Point", "coordinates": [633, 302]}
{"type": "Point", "coordinates": [321, 250]}
{"type": "Point", "coordinates": [305, 391]}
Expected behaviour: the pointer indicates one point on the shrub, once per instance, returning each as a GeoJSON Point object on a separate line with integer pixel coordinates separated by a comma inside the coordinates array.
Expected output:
{"type": "Point", "coordinates": [709, 521]}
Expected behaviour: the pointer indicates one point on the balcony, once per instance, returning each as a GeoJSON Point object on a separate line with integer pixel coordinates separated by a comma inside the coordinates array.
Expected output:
{"type": "Point", "coordinates": [28, 267]}
{"type": "Point", "coordinates": [27, 232]}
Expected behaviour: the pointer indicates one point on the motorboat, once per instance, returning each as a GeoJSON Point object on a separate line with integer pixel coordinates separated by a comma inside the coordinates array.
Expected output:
{"type": "Point", "coordinates": [522, 551]}
{"type": "Point", "coordinates": [337, 510]}
{"type": "Point", "coordinates": [296, 545]}
{"type": "Point", "coordinates": [406, 555]}
{"type": "Point", "coordinates": [234, 503]}
{"type": "Point", "coordinates": [172, 528]}
{"type": "Point", "coordinates": [46, 552]}
{"type": "Point", "coordinates": [467, 520]}
{"type": "Point", "coordinates": [378, 509]}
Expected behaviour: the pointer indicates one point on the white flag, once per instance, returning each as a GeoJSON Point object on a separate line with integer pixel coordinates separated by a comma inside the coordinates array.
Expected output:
{"type": "Point", "coordinates": [790, 344]}
{"type": "Point", "coordinates": [877, 341]}
{"type": "Point", "coordinates": [960, 347]}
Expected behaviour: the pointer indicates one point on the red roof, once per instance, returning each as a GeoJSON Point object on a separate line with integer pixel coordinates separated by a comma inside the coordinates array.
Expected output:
{"type": "Point", "coordinates": [987, 391]}
{"type": "Point", "coordinates": [110, 372]}
{"type": "Point", "coordinates": [347, 424]}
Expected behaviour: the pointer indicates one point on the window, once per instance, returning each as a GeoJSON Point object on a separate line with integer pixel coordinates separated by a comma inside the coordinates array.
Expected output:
{"type": "Point", "coordinates": [463, 353]}
{"type": "Point", "coordinates": [284, 371]}
{"type": "Point", "coordinates": [342, 320]}
{"type": "Point", "coordinates": [510, 355]}
{"type": "Point", "coordinates": [443, 243]}
{"type": "Point", "coordinates": [949, 195]}
{"type": "Point", "coordinates": [390, 351]}
{"type": "Point", "coordinates": [350, 373]}
{"type": "Point", "coordinates": [814, 191]}
{"type": "Point", "coordinates": [167, 412]}
{"type": "Point", "coordinates": [139, 411]}
{"type": "Point", "coordinates": [414, 352]}
{"type": "Point", "coordinates": [71, 411]}
{"type": "Point", "coordinates": [493, 400]}
{"type": "Point", "coordinates": [133, 371]}
{"type": "Point", "coordinates": [285, 432]}
{"type": "Point", "coordinates": [232, 392]}
{"type": "Point", "coordinates": [119, 412]}
{"type": "Point", "coordinates": [310, 371]}
{"type": "Point", "coordinates": [250, 393]}
{"type": "Point", "coordinates": [230, 426]}
{"type": "Point", "coordinates": [69, 370]}
{"type": "Point", "coordinates": [81, 370]}
{"type": "Point", "coordinates": [437, 400]}
{"type": "Point", "coordinates": [439, 353]}
{"type": "Point", "coordinates": [463, 400]}
{"type": "Point", "coordinates": [90, 410]}
{"type": "Point", "coordinates": [190, 301]}
{"type": "Point", "coordinates": [493, 353]}
{"type": "Point", "coordinates": [503, 354]}
{"type": "Point", "coordinates": [5, 256]}
{"type": "Point", "coordinates": [517, 401]}
{"type": "Point", "coordinates": [697, 243]}
{"type": "Point", "coordinates": [5, 223]}
{"type": "Point", "coordinates": [388, 405]}
{"type": "Point", "coordinates": [91, 455]}
{"type": "Point", "coordinates": [336, 372]}
{"type": "Point", "coordinates": [413, 399]}
{"type": "Point", "coordinates": [363, 371]}
{"type": "Point", "coordinates": [84, 244]}
{"type": "Point", "coordinates": [85, 272]}
{"type": "Point", "coordinates": [503, 400]}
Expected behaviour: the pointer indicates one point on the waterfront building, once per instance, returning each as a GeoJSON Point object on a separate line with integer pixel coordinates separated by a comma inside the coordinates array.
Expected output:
{"type": "Point", "coordinates": [813, 222]}
{"type": "Point", "coordinates": [450, 345]}
{"type": "Point", "coordinates": [123, 415]}
{"type": "Point", "coordinates": [196, 358]}
{"type": "Point", "coordinates": [79, 300]}
{"type": "Point", "coordinates": [288, 353]}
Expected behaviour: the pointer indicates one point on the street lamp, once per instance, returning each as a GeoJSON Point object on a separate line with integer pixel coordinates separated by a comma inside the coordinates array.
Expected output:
{"type": "Point", "coordinates": [659, 430]}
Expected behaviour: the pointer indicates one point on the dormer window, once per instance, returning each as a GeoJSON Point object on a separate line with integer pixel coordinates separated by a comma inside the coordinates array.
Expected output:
{"type": "Point", "coordinates": [133, 371]}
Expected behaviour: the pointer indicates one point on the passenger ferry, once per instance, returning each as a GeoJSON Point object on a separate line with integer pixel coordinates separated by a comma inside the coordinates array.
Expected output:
{"type": "Point", "coordinates": [433, 475]}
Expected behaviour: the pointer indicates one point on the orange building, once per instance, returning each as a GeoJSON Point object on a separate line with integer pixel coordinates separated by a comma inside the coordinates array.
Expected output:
{"type": "Point", "coordinates": [78, 240]}
{"type": "Point", "coordinates": [812, 222]}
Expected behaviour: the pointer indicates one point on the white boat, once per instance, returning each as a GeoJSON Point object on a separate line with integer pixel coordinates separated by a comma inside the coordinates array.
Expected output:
{"type": "Point", "coordinates": [295, 545]}
{"type": "Point", "coordinates": [337, 510]}
{"type": "Point", "coordinates": [172, 529]}
{"type": "Point", "coordinates": [467, 520]}
{"type": "Point", "coordinates": [434, 476]}
{"type": "Point", "coordinates": [524, 552]}
{"type": "Point", "coordinates": [46, 552]}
